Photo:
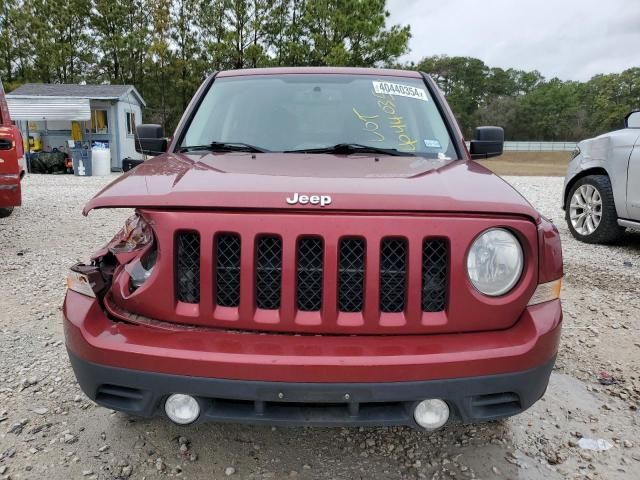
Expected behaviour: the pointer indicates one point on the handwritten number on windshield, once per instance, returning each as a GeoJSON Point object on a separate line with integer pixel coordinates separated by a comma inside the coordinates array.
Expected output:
{"type": "Point", "coordinates": [396, 122]}
{"type": "Point", "coordinates": [370, 126]}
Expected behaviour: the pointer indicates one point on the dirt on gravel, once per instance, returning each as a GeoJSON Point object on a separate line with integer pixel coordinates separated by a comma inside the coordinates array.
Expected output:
{"type": "Point", "coordinates": [49, 429]}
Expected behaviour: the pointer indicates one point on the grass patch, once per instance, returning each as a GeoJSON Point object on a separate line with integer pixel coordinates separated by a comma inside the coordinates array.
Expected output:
{"type": "Point", "coordinates": [547, 164]}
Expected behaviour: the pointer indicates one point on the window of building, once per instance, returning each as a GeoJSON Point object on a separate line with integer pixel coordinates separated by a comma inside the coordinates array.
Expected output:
{"type": "Point", "coordinates": [99, 122]}
{"type": "Point", "coordinates": [131, 123]}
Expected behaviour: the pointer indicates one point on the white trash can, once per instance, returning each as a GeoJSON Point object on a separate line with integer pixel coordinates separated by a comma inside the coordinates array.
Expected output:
{"type": "Point", "coordinates": [100, 160]}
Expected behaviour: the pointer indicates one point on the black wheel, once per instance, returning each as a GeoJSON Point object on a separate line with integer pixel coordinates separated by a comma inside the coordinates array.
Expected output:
{"type": "Point", "coordinates": [591, 211]}
{"type": "Point", "coordinates": [5, 212]}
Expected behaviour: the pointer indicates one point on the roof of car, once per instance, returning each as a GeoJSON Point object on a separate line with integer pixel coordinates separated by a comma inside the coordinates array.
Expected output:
{"type": "Point", "coordinates": [320, 70]}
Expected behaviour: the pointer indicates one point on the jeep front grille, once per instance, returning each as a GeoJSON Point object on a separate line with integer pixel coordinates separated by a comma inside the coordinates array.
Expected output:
{"type": "Point", "coordinates": [309, 272]}
{"type": "Point", "coordinates": [310, 263]}
{"type": "Point", "coordinates": [393, 274]}
{"type": "Point", "coordinates": [351, 275]}
{"type": "Point", "coordinates": [228, 270]}
{"type": "Point", "coordinates": [435, 274]}
{"type": "Point", "coordinates": [324, 273]}
{"type": "Point", "coordinates": [268, 272]}
{"type": "Point", "coordinates": [188, 267]}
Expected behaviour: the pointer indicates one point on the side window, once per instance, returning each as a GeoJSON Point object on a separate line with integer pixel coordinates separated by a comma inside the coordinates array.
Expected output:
{"type": "Point", "coordinates": [3, 104]}
{"type": "Point", "coordinates": [131, 123]}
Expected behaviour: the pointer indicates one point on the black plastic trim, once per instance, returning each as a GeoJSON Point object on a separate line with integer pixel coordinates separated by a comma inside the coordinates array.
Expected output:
{"type": "Point", "coordinates": [328, 404]}
{"type": "Point", "coordinates": [190, 112]}
{"type": "Point", "coordinates": [448, 118]}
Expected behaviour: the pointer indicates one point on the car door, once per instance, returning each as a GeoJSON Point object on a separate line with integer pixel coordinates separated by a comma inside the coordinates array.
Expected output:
{"type": "Point", "coordinates": [11, 157]}
{"type": "Point", "coordinates": [633, 183]}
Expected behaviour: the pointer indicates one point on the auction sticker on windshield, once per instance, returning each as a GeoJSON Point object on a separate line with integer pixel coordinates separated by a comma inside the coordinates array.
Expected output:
{"type": "Point", "coordinates": [400, 90]}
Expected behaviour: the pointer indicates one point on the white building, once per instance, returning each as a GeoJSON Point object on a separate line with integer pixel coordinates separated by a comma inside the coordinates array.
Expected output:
{"type": "Point", "coordinates": [55, 113]}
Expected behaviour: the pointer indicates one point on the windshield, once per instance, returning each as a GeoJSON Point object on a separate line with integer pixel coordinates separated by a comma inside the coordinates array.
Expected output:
{"type": "Point", "coordinates": [306, 112]}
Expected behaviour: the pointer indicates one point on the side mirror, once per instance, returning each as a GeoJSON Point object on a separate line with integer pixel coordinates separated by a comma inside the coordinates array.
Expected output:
{"type": "Point", "coordinates": [150, 140]}
{"type": "Point", "coordinates": [632, 120]}
{"type": "Point", "coordinates": [489, 142]}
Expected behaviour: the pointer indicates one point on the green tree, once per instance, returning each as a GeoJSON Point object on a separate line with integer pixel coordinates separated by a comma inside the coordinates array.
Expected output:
{"type": "Point", "coordinates": [7, 31]}
{"type": "Point", "coordinates": [547, 112]}
{"type": "Point", "coordinates": [121, 35]}
{"type": "Point", "coordinates": [608, 98]}
{"type": "Point", "coordinates": [210, 21]}
{"type": "Point", "coordinates": [464, 81]}
{"type": "Point", "coordinates": [350, 33]}
{"type": "Point", "coordinates": [158, 62]}
{"type": "Point", "coordinates": [59, 36]}
{"type": "Point", "coordinates": [186, 63]}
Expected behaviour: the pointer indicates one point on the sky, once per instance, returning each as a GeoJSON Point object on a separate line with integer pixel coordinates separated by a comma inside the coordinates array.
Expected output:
{"type": "Point", "coordinates": [569, 39]}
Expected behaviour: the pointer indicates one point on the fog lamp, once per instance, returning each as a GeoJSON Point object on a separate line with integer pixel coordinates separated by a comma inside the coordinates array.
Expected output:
{"type": "Point", "coordinates": [431, 414]}
{"type": "Point", "coordinates": [182, 409]}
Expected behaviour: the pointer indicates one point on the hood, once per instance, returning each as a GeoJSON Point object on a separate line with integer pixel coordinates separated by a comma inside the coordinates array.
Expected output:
{"type": "Point", "coordinates": [354, 182]}
{"type": "Point", "coordinates": [603, 146]}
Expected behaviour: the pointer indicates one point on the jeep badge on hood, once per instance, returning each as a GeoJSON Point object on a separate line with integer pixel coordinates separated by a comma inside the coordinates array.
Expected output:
{"type": "Point", "coordinates": [322, 200]}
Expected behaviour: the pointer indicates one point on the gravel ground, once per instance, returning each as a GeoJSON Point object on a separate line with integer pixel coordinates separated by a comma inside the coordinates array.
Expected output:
{"type": "Point", "coordinates": [49, 429]}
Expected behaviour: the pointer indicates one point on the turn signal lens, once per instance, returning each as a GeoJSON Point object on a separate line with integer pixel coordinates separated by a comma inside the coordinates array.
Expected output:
{"type": "Point", "coordinates": [80, 283]}
{"type": "Point", "coordinates": [545, 292]}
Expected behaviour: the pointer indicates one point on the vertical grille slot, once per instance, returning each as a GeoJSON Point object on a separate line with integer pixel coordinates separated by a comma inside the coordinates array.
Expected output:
{"type": "Point", "coordinates": [351, 275]}
{"type": "Point", "coordinates": [393, 274]}
{"type": "Point", "coordinates": [228, 270]}
{"type": "Point", "coordinates": [268, 272]}
{"type": "Point", "coordinates": [309, 269]}
{"type": "Point", "coordinates": [188, 267]}
{"type": "Point", "coordinates": [435, 275]}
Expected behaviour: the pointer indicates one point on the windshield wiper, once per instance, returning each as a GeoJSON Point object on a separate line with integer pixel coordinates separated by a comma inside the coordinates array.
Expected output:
{"type": "Point", "coordinates": [225, 147]}
{"type": "Point", "coordinates": [349, 148]}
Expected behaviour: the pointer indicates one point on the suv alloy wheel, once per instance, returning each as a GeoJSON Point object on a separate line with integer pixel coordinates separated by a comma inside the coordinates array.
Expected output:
{"type": "Point", "coordinates": [591, 212]}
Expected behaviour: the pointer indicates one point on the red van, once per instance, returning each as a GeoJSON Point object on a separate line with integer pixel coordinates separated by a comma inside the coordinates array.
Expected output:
{"type": "Point", "coordinates": [11, 160]}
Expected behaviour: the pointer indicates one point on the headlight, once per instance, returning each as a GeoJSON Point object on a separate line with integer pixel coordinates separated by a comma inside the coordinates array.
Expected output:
{"type": "Point", "coordinates": [495, 262]}
{"type": "Point", "coordinates": [574, 153]}
{"type": "Point", "coordinates": [141, 268]}
{"type": "Point", "coordinates": [135, 235]}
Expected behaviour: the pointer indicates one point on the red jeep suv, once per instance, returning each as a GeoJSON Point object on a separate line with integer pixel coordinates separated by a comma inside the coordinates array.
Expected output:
{"type": "Point", "coordinates": [11, 160]}
{"type": "Point", "coordinates": [316, 246]}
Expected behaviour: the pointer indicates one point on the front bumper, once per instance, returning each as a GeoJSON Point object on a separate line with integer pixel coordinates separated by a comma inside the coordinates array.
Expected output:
{"type": "Point", "coordinates": [484, 375]}
{"type": "Point", "coordinates": [470, 400]}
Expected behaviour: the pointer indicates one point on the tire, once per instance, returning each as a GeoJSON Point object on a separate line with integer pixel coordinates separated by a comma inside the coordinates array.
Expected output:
{"type": "Point", "coordinates": [5, 212]}
{"type": "Point", "coordinates": [597, 222]}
